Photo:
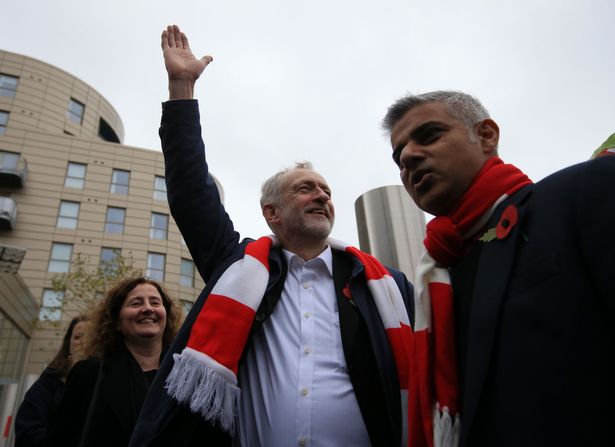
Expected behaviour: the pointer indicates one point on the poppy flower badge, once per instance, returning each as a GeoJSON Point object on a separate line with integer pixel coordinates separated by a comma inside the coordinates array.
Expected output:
{"type": "Point", "coordinates": [508, 220]}
{"type": "Point", "coordinates": [347, 295]}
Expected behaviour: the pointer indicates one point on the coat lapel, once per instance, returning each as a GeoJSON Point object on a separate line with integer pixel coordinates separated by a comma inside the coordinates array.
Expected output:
{"type": "Point", "coordinates": [492, 277]}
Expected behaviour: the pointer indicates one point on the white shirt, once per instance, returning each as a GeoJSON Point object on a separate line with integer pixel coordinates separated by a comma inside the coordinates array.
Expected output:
{"type": "Point", "coordinates": [295, 388]}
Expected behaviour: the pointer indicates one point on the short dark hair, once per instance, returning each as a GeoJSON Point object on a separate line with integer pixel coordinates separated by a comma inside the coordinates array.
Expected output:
{"type": "Point", "coordinates": [464, 107]}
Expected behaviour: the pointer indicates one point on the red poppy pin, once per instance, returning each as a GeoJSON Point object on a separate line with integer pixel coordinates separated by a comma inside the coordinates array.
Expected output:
{"type": "Point", "coordinates": [346, 293]}
{"type": "Point", "coordinates": [507, 221]}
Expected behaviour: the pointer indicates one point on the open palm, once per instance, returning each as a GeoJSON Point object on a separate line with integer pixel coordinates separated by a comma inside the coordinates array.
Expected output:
{"type": "Point", "coordinates": [180, 62]}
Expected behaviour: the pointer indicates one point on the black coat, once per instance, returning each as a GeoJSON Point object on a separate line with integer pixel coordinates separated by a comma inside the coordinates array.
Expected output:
{"type": "Point", "coordinates": [114, 406]}
{"type": "Point", "coordinates": [539, 339]}
{"type": "Point", "coordinates": [36, 412]}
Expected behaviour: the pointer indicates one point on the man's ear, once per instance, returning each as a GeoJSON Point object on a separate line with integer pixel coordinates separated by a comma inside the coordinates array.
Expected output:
{"type": "Point", "coordinates": [489, 135]}
{"type": "Point", "coordinates": [270, 213]}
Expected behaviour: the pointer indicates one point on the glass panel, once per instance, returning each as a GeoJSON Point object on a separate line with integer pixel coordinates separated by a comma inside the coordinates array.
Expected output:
{"type": "Point", "coordinates": [52, 298]}
{"type": "Point", "coordinates": [108, 255]}
{"type": "Point", "coordinates": [186, 273]}
{"type": "Point", "coordinates": [60, 258]}
{"type": "Point", "coordinates": [119, 181]}
{"type": "Point", "coordinates": [75, 175]}
{"type": "Point", "coordinates": [50, 314]}
{"type": "Point", "coordinates": [158, 226]}
{"type": "Point", "coordinates": [115, 220]}
{"type": "Point", "coordinates": [9, 160]}
{"type": "Point", "coordinates": [75, 111]}
{"type": "Point", "coordinates": [67, 216]}
{"type": "Point", "coordinates": [8, 85]}
{"type": "Point", "coordinates": [4, 117]}
{"type": "Point", "coordinates": [160, 188]}
{"type": "Point", "coordinates": [155, 266]}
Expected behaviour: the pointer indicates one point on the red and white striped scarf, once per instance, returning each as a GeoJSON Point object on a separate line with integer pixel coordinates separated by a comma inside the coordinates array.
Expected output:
{"type": "Point", "coordinates": [204, 375]}
{"type": "Point", "coordinates": [434, 418]}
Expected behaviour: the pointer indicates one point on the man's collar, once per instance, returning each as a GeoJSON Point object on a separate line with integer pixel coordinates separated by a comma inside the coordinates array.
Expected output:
{"type": "Point", "coordinates": [326, 256]}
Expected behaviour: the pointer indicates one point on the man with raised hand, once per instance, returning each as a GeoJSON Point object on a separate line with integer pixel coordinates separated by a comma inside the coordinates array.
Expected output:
{"type": "Point", "coordinates": [297, 339]}
{"type": "Point", "coordinates": [516, 290]}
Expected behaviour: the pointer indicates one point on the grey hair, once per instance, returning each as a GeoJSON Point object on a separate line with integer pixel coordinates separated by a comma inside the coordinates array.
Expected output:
{"type": "Point", "coordinates": [461, 106]}
{"type": "Point", "coordinates": [270, 191]}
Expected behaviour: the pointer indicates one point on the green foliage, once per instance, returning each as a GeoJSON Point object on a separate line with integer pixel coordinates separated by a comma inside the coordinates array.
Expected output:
{"type": "Point", "coordinates": [83, 284]}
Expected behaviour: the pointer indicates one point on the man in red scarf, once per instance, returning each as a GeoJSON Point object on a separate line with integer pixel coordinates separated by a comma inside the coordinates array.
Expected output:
{"type": "Point", "coordinates": [297, 339]}
{"type": "Point", "coordinates": [515, 294]}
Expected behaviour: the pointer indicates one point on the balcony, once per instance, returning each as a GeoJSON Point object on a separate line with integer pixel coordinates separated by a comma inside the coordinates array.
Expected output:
{"type": "Point", "coordinates": [8, 213]}
{"type": "Point", "coordinates": [13, 169]}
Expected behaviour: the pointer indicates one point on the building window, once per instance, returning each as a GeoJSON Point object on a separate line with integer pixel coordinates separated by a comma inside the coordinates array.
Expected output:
{"type": "Point", "coordinates": [114, 221]}
{"type": "Point", "coordinates": [75, 111]}
{"type": "Point", "coordinates": [68, 215]}
{"type": "Point", "coordinates": [186, 277]}
{"type": "Point", "coordinates": [108, 256]}
{"type": "Point", "coordinates": [119, 181]}
{"type": "Point", "coordinates": [160, 188]}
{"type": "Point", "coordinates": [186, 306]}
{"type": "Point", "coordinates": [8, 85]}
{"type": "Point", "coordinates": [158, 226]}
{"type": "Point", "coordinates": [75, 175]}
{"type": "Point", "coordinates": [155, 266]}
{"type": "Point", "coordinates": [60, 258]}
{"type": "Point", "coordinates": [4, 118]}
{"type": "Point", "coordinates": [9, 160]}
{"type": "Point", "coordinates": [51, 306]}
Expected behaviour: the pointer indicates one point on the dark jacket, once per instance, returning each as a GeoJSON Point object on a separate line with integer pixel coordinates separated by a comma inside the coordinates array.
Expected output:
{"type": "Point", "coordinates": [111, 407]}
{"type": "Point", "coordinates": [539, 337]}
{"type": "Point", "coordinates": [38, 409]}
{"type": "Point", "coordinates": [214, 245]}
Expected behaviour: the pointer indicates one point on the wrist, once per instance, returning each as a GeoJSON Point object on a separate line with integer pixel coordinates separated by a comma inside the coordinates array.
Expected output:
{"type": "Point", "coordinates": [181, 88]}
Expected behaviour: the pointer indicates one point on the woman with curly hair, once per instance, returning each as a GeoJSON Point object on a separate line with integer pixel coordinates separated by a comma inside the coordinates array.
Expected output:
{"type": "Point", "coordinates": [131, 329]}
{"type": "Point", "coordinates": [43, 398]}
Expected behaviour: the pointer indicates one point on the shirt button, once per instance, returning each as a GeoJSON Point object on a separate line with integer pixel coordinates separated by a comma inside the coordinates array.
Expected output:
{"type": "Point", "coordinates": [307, 315]}
{"type": "Point", "coordinates": [307, 351]}
{"type": "Point", "coordinates": [304, 391]}
{"type": "Point", "coordinates": [306, 285]}
{"type": "Point", "coordinates": [302, 442]}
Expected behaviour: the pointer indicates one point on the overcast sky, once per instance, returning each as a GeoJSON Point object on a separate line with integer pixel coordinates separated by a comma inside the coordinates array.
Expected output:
{"type": "Point", "coordinates": [295, 80]}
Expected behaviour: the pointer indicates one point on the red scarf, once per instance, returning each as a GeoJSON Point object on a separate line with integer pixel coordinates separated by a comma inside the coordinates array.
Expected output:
{"type": "Point", "coordinates": [434, 404]}
{"type": "Point", "coordinates": [205, 373]}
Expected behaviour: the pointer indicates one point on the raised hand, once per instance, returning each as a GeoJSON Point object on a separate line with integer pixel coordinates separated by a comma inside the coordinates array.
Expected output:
{"type": "Point", "coordinates": [182, 66]}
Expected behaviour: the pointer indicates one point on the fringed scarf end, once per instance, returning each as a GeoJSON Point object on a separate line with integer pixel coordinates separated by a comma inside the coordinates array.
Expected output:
{"type": "Point", "coordinates": [206, 386]}
{"type": "Point", "coordinates": [446, 428]}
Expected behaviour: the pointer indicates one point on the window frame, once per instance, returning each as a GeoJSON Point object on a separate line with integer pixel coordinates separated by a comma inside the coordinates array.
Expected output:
{"type": "Point", "coordinates": [160, 194]}
{"type": "Point", "coordinates": [75, 116]}
{"type": "Point", "coordinates": [184, 279]}
{"type": "Point", "coordinates": [57, 260]}
{"type": "Point", "coordinates": [111, 223]}
{"type": "Point", "coordinates": [5, 89]}
{"type": "Point", "coordinates": [49, 312]}
{"type": "Point", "coordinates": [70, 181]}
{"type": "Point", "coordinates": [149, 272]}
{"type": "Point", "coordinates": [4, 121]}
{"type": "Point", "coordinates": [68, 218]}
{"type": "Point", "coordinates": [117, 187]}
{"type": "Point", "coordinates": [156, 231]}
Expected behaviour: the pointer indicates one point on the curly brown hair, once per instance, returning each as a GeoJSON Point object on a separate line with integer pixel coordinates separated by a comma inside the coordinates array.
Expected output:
{"type": "Point", "coordinates": [104, 337]}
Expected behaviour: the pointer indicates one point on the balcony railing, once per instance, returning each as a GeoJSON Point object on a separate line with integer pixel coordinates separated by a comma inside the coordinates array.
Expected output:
{"type": "Point", "coordinates": [8, 213]}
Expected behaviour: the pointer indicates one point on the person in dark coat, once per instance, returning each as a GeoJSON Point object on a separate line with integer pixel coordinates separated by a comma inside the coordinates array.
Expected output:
{"type": "Point", "coordinates": [130, 330]}
{"type": "Point", "coordinates": [43, 398]}
{"type": "Point", "coordinates": [531, 268]}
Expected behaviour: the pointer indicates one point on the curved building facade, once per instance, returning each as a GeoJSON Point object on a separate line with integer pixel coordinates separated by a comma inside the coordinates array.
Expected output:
{"type": "Point", "coordinates": [391, 227]}
{"type": "Point", "coordinates": [69, 186]}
